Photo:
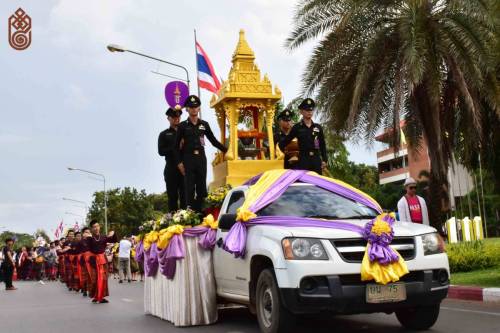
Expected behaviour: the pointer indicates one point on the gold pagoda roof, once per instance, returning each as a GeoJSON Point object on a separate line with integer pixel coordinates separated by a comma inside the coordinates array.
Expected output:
{"type": "Point", "coordinates": [244, 79]}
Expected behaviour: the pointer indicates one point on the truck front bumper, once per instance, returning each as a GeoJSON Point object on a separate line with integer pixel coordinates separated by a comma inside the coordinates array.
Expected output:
{"type": "Point", "coordinates": [347, 294]}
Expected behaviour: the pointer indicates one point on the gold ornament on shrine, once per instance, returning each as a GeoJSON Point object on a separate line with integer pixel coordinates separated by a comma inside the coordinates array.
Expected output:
{"type": "Point", "coordinates": [245, 107]}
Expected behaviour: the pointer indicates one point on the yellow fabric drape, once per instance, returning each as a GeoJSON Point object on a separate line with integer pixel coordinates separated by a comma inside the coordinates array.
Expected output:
{"type": "Point", "coordinates": [256, 191]}
{"type": "Point", "coordinates": [149, 239]}
{"type": "Point", "coordinates": [209, 221]}
{"type": "Point", "coordinates": [382, 274]}
{"type": "Point", "coordinates": [165, 235]}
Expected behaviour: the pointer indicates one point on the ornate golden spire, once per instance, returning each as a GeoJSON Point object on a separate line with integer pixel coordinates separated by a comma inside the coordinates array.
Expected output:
{"type": "Point", "coordinates": [243, 50]}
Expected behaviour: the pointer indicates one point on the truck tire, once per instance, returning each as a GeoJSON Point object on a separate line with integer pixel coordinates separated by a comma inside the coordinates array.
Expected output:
{"type": "Point", "coordinates": [271, 314]}
{"type": "Point", "coordinates": [419, 318]}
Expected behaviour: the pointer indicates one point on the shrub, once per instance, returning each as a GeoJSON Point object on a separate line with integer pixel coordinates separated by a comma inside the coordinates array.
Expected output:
{"type": "Point", "coordinates": [469, 256]}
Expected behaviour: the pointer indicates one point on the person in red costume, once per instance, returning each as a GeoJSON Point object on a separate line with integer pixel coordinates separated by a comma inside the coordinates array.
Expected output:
{"type": "Point", "coordinates": [411, 207]}
{"type": "Point", "coordinates": [97, 244]}
{"type": "Point", "coordinates": [68, 253]}
{"type": "Point", "coordinates": [84, 263]}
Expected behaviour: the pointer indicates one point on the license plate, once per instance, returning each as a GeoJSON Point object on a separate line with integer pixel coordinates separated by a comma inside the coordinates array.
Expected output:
{"type": "Point", "coordinates": [393, 292]}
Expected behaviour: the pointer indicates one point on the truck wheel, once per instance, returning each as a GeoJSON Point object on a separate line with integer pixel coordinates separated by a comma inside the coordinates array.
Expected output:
{"type": "Point", "coordinates": [419, 318]}
{"type": "Point", "coordinates": [272, 316]}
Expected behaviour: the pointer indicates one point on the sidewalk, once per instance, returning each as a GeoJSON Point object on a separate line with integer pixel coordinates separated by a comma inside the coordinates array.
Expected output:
{"type": "Point", "coordinates": [474, 293]}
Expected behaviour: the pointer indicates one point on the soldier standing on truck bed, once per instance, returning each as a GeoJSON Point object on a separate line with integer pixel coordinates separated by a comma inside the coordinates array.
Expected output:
{"type": "Point", "coordinates": [312, 147]}
{"type": "Point", "coordinates": [173, 177]}
{"type": "Point", "coordinates": [190, 153]}
{"type": "Point", "coordinates": [291, 151]}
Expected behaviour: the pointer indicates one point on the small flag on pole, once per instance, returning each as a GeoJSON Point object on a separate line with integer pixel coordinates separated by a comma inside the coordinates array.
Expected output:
{"type": "Point", "coordinates": [76, 227]}
{"type": "Point", "coordinates": [59, 230]}
{"type": "Point", "coordinates": [207, 79]}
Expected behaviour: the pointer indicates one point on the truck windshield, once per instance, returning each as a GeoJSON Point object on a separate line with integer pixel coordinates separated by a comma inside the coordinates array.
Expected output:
{"type": "Point", "coordinates": [312, 201]}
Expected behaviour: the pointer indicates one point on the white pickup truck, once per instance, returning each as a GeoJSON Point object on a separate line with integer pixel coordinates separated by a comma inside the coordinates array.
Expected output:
{"type": "Point", "coordinates": [289, 271]}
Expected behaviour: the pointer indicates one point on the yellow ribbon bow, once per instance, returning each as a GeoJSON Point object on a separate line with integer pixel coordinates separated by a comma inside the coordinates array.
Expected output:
{"type": "Point", "coordinates": [149, 239]}
{"type": "Point", "coordinates": [244, 215]}
{"type": "Point", "coordinates": [166, 235]}
{"type": "Point", "coordinates": [209, 221]}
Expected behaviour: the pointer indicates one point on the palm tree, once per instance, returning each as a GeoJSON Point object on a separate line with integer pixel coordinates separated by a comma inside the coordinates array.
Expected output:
{"type": "Point", "coordinates": [430, 62]}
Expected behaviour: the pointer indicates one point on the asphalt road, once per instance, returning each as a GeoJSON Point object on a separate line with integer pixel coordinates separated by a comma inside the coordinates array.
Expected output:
{"type": "Point", "coordinates": [51, 308]}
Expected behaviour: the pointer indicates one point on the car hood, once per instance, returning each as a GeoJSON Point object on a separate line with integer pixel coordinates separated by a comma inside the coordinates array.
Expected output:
{"type": "Point", "coordinates": [401, 229]}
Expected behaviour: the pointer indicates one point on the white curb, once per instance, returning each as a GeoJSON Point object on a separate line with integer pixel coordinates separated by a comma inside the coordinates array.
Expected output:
{"type": "Point", "coordinates": [491, 295]}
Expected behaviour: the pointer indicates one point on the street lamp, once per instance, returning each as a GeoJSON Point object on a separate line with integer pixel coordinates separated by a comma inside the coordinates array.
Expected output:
{"type": "Point", "coordinates": [70, 213]}
{"type": "Point", "coordinates": [105, 194]}
{"type": "Point", "coordinates": [118, 48]}
{"type": "Point", "coordinates": [85, 205]}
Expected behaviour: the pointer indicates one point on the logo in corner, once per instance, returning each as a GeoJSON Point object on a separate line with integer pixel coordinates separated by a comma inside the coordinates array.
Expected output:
{"type": "Point", "coordinates": [19, 30]}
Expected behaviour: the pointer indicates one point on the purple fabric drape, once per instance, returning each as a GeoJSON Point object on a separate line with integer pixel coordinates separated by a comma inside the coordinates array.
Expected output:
{"type": "Point", "coordinates": [169, 255]}
{"type": "Point", "coordinates": [235, 242]}
{"type": "Point", "coordinates": [139, 252]}
{"type": "Point", "coordinates": [166, 259]}
{"type": "Point", "coordinates": [278, 188]}
{"type": "Point", "coordinates": [151, 261]}
{"type": "Point", "coordinates": [340, 190]}
{"type": "Point", "coordinates": [303, 176]}
{"type": "Point", "coordinates": [379, 249]}
{"type": "Point", "coordinates": [252, 180]}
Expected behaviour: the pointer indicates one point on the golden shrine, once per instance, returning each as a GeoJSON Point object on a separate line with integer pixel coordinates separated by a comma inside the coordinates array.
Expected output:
{"type": "Point", "coordinates": [245, 107]}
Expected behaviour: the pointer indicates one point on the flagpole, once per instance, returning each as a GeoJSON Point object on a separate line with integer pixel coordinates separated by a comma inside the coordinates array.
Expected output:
{"type": "Point", "coordinates": [197, 72]}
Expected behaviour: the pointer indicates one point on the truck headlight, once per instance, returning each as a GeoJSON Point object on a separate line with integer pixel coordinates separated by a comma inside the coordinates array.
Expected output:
{"type": "Point", "coordinates": [303, 249]}
{"type": "Point", "coordinates": [433, 243]}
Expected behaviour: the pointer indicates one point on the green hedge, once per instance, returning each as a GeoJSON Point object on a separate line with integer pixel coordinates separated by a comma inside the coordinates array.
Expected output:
{"type": "Point", "coordinates": [470, 256]}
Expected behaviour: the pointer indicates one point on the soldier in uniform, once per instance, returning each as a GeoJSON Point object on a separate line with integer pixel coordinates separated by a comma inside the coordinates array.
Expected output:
{"type": "Point", "coordinates": [173, 178]}
{"type": "Point", "coordinates": [190, 153]}
{"type": "Point", "coordinates": [285, 125]}
{"type": "Point", "coordinates": [312, 147]}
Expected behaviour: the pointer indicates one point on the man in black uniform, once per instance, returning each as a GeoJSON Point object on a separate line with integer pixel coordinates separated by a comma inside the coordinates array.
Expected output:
{"type": "Point", "coordinates": [190, 153]}
{"type": "Point", "coordinates": [173, 177]}
{"type": "Point", "coordinates": [285, 125]}
{"type": "Point", "coordinates": [312, 148]}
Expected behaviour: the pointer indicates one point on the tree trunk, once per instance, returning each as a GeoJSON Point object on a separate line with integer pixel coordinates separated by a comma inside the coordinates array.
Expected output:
{"type": "Point", "coordinates": [429, 115]}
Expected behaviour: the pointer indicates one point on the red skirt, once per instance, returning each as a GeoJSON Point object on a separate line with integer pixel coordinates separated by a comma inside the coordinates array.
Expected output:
{"type": "Point", "coordinates": [75, 263]}
{"type": "Point", "coordinates": [61, 267]}
{"type": "Point", "coordinates": [68, 270]}
{"type": "Point", "coordinates": [100, 272]}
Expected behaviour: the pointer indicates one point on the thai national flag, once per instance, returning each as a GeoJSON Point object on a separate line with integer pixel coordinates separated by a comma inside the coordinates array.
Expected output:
{"type": "Point", "coordinates": [59, 230]}
{"type": "Point", "coordinates": [207, 78]}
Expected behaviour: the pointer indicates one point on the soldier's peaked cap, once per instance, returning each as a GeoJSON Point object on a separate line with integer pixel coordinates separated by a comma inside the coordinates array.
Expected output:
{"type": "Point", "coordinates": [192, 101]}
{"type": "Point", "coordinates": [173, 112]}
{"type": "Point", "coordinates": [307, 104]}
{"type": "Point", "coordinates": [285, 114]}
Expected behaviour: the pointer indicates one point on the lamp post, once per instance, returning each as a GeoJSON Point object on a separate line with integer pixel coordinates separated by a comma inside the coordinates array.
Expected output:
{"type": "Point", "coordinates": [70, 213]}
{"type": "Point", "coordinates": [105, 194]}
{"type": "Point", "coordinates": [85, 206]}
{"type": "Point", "coordinates": [118, 48]}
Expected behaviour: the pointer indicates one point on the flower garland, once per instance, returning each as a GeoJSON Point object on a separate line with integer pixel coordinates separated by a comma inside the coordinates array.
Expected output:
{"type": "Point", "coordinates": [216, 197]}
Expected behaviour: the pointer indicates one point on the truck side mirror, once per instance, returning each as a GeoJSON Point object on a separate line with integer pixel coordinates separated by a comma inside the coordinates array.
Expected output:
{"type": "Point", "coordinates": [226, 221]}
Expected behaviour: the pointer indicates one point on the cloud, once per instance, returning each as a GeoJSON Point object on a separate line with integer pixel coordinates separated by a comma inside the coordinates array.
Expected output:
{"type": "Point", "coordinates": [76, 98]}
{"type": "Point", "coordinates": [12, 139]}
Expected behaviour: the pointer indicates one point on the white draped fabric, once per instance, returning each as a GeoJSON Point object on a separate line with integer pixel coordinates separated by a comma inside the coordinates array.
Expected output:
{"type": "Point", "coordinates": [190, 298]}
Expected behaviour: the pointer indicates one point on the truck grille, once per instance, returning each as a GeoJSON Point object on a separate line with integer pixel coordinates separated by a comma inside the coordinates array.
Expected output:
{"type": "Point", "coordinates": [355, 279]}
{"type": "Point", "coordinates": [353, 250]}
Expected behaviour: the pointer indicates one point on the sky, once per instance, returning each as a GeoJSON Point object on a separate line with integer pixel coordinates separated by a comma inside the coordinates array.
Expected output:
{"type": "Point", "coordinates": [66, 101]}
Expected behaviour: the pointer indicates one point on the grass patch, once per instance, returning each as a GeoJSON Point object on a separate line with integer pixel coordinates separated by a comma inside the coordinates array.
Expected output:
{"type": "Point", "coordinates": [492, 241]}
{"type": "Point", "coordinates": [482, 278]}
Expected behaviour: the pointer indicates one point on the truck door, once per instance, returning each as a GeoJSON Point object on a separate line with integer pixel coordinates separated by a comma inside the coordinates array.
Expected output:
{"type": "Point", "coordinates": [230, 272]}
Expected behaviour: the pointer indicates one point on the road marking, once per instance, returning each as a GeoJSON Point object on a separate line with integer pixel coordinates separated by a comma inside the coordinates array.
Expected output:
{"type": "Point", "coordinates": [471, 311]}
{"type": "Point", "coordinates": [128, 300]}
